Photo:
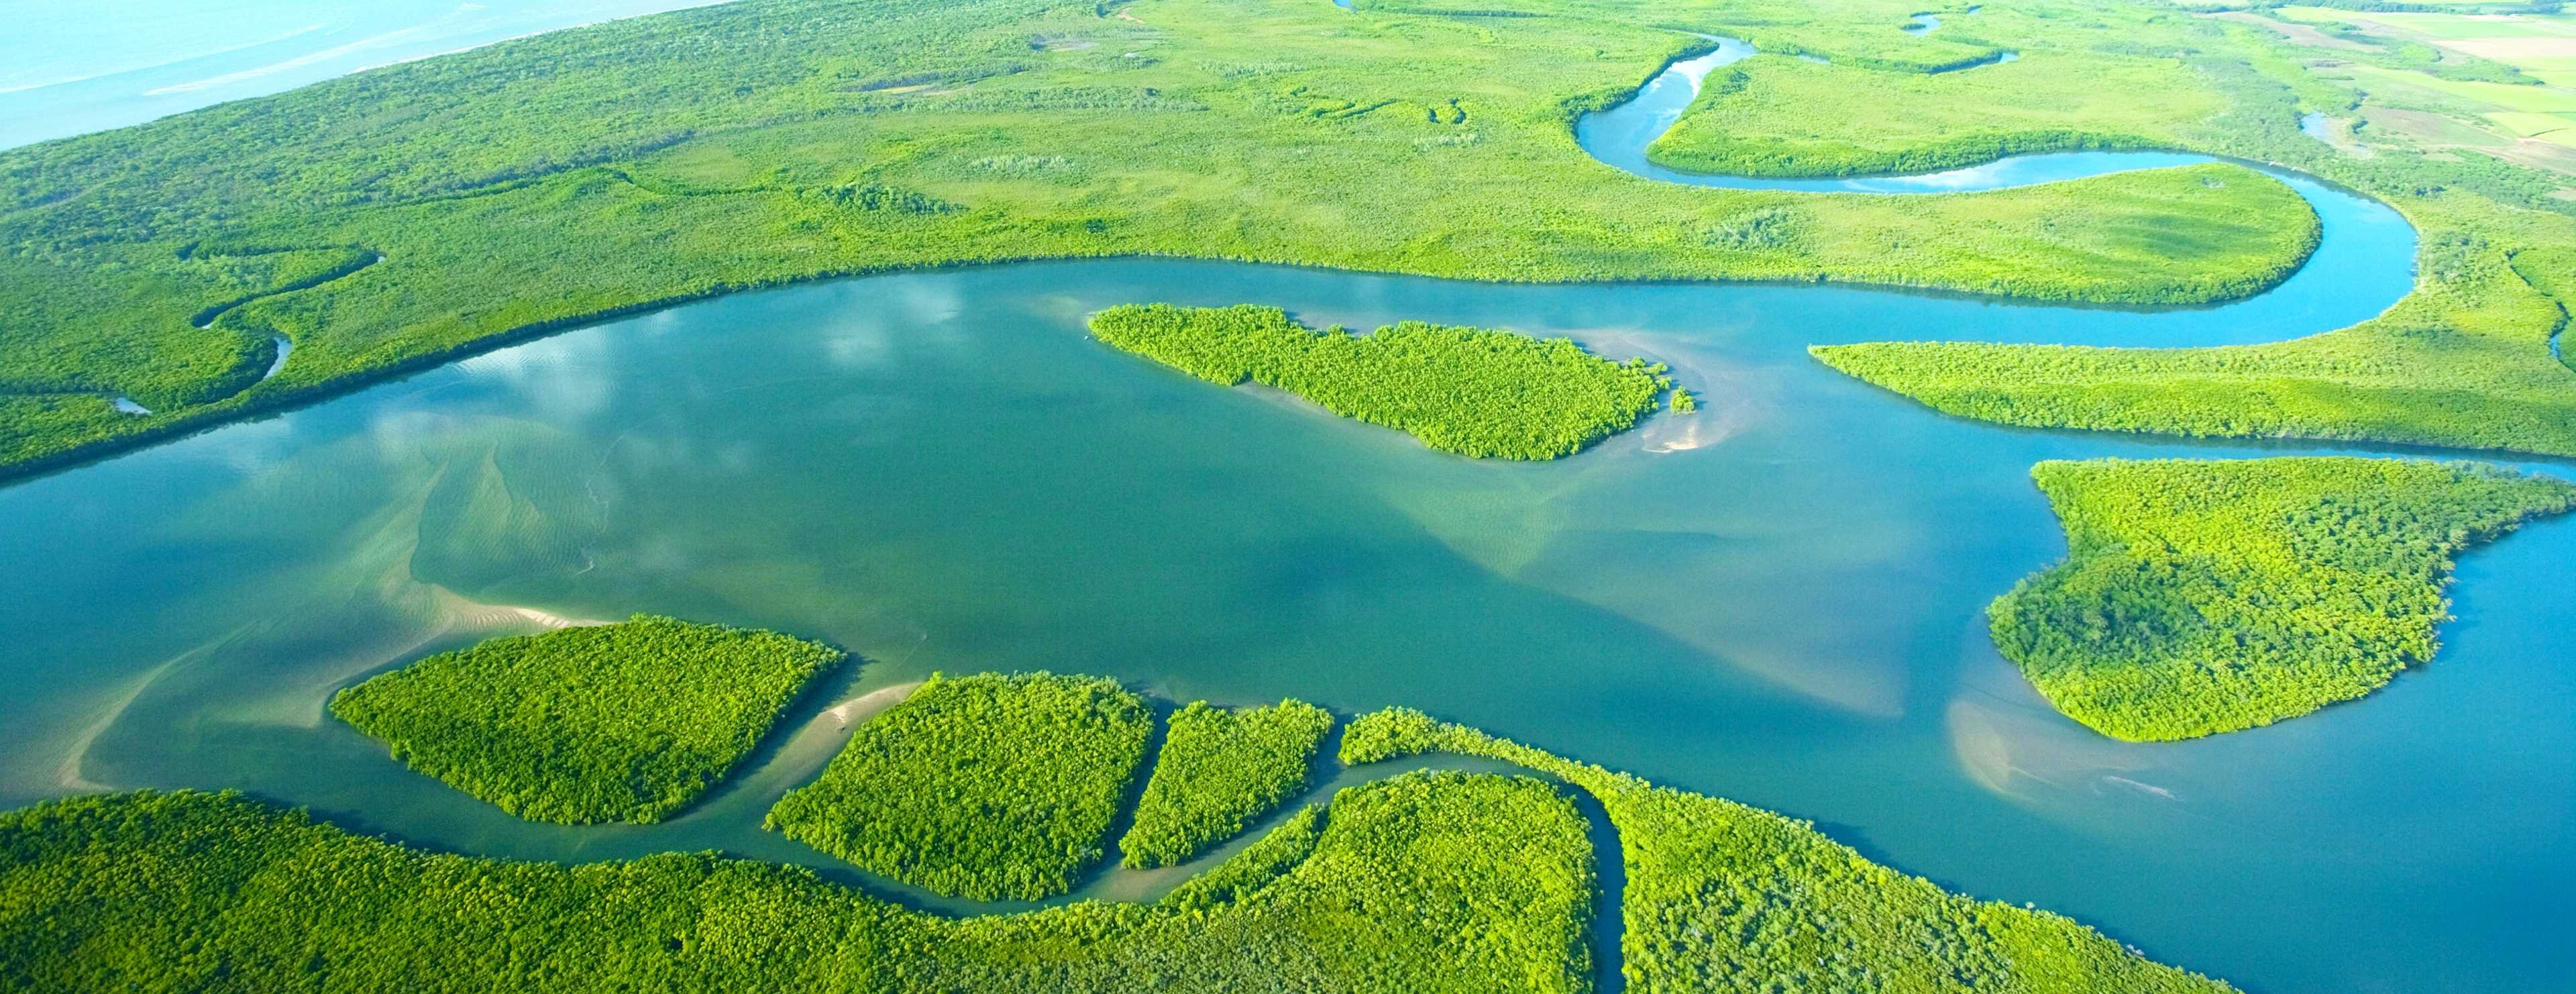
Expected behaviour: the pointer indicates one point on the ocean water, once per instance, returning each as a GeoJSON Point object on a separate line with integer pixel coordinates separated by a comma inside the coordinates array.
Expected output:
{"type": "Point", "coordinates": [74, 66]}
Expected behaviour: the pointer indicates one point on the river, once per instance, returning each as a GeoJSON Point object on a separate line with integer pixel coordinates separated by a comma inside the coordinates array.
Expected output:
{"type": "Point", "coordinates": [1777, 600]}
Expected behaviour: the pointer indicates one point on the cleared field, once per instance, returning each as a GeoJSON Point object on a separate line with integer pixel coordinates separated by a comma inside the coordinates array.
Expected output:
{"type": "Point", "coordinates": [2473, 95]}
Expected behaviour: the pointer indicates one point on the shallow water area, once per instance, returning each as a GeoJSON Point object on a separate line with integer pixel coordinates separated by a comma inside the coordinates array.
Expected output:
{"type": "Point", "coordinates": [942, 471]}
{"type": "Point", "coordinates": [1777, 600]}
{"type": "Point", "coordinates": [75, 66]}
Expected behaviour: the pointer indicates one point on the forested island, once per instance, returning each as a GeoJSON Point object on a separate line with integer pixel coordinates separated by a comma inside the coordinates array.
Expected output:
{"type": "Point", "coordinates": [622, 722]}
{"type": "Point", "coordinates": [1415, 880]}
{"type": "Point", "coordinates": [982, 786]}
{"type": "Point", "coordinates": [1472, 391]}
{"type": "Point", "coordinates": [2206, 597]}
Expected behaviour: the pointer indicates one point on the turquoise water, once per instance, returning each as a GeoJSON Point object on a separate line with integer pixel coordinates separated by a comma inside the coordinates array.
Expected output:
{"type": "Point", "coordinates": [1777, 600]}
{"type": "Point", "coordinates": [74, 66]}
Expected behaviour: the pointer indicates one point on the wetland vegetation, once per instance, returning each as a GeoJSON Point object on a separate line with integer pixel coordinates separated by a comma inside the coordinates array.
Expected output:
{"type": "Point", "coordinates": [1720, 896]}
{"type": "Point", "coordinates": [1218, 770]}
{"type": "Point", "coordinates": [2465, 361]}
{"type": "Point", "coordinates": [599, 723]}
{"type": "Point", "coordinates": [981, 786]}
{"type": "Point", "coordinates": [1473, 391]}
{"type": "Point", "coordinates": [414, 214]}
{"type": "Point", "coordinates": [1421, 880]}
{"type": "Point", "coordinates": [774, 140]}
{"type": "Point", "coordinates": [2206, 597]}
{"type": "Point", "coordinates": [216, 892]}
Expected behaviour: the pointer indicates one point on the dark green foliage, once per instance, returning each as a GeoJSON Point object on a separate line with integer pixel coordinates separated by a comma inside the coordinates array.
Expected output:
{"type": "Point", "coordinates": [983, 786]}
{"type": "Point", "coordinates": [1423, 882]}
{"type": "Point", "coordinates": [623, 722]}
{"type": "Point", "coordinates": [1472, 391]}
{"type": "Point", "coordinates": [1723, 897]}
{"type": "Point", "coordinates": [2206, 597]}
{"type": "Point", "coordinates": [1218, 770]}
{"type": "Point", "coordinates": [879, 197]}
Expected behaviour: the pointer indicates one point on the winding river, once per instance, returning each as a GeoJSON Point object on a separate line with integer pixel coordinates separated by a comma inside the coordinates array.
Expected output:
{"type": "Point", "coordinates": [1777, 600]}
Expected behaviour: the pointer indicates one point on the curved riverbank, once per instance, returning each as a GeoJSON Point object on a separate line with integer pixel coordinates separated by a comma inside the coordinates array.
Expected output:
{"type": "Point", "coordinates": [2365, 253]}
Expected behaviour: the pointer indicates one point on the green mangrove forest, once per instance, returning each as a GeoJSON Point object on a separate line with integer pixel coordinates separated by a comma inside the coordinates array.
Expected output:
{"type": "Point", "coordinates": [981, 786]}
{"type": "Point", "coordinates": [245, 258]}
{"type": "Point", "coordinates": [623, 722]}
{"type": "Point", "coordinates": [423, 211]}
{"type": "Point", "coordinates": [2200, 597]}
{"type": "Point", "coordinates": [1415, 880]}
{"type": "Point", "coordinates": [1218, 769]}
{"type": "Point", "coordinates": [1473, 391]}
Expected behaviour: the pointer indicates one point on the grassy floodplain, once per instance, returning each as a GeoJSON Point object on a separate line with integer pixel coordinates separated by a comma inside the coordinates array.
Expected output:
{"type": "Point", "coordinates": [2464, 361]}
{"type": "Point", "coordinates": [624, 722]}
{"type": "Point", "coordinates": [702, 151]}
{"type": "Point", "coordinates": [2206, 597]}
{"type": "Point", "coordinates": [1219, 769]}
{"type": "Point", "coordinates": [981, 786]}
{"type": "Point", "coordinates": [1423, 880]}
{"type": "Point", "coordinates": [1756, 117]}
{"type": "Point", "coordinates": [1473, 391]}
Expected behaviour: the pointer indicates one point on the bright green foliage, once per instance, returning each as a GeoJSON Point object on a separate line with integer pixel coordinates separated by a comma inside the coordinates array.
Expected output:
{"type": "Point", "coordinates": [1423, 882]}
{"type": "Point", "coordinates": [2206, 597]}
{"type": "Point", "coordinates": [1758, 117]}
{"type": "Point", "coordinates": [1683, 402]}
{"type": "Point", "coordinates": [1723, 897]}
{"type": "Point", "coordinates": [1472, 391]}
{"type": "Point", "coordinates": [549, 180]}
{"type": "Point", "coordinates": [984, 786]}
{"type": "Point", "coordinates": [623, 722]}
{"type": "Point", "coordinates": [1218, 770]}
{"type": "Point", "coordinates": [2464, 361]}
{"type": "Point", "coordinates": [1427, 881]}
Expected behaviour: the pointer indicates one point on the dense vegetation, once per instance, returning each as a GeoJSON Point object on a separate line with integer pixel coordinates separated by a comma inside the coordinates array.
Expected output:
{"type": "Point", "coordinates": [1723, 897]}
{"type": "Point", "coordinates": [2464, 361]}
{"type": "Point", "coordinates": [2206, 597]}
{"type": "Point", "coordinates": [983, 786]}
{"type": "Point", "coordinates": [1472, 391]}
{"type": "Point", "coordinates": [1423, 882]}
{"type": "Point", "coordinates": [702, 151]}
{"type": "Point", "coordinates": [1758, 116]}
{"type": "Point", "coordinates": [1218, 770]}
{"type": "Point", "coordinates": [623, 722]}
